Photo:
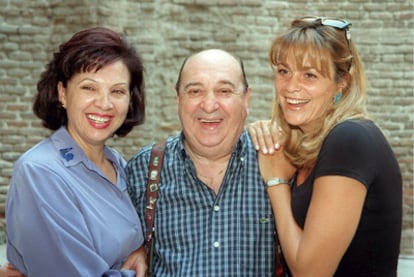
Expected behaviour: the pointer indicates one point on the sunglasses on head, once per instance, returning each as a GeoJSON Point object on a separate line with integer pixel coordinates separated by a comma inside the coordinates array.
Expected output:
{"type": "Point", "coordinates": [331, 22]}
{"type": "Point", "coordinates": [328, 21]}
{"type": "Point", "coordinates": [335, 23]}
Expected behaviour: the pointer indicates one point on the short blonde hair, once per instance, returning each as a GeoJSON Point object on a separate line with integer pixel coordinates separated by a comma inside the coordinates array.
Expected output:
{"type": "Point", "coordinates": [328, 49]}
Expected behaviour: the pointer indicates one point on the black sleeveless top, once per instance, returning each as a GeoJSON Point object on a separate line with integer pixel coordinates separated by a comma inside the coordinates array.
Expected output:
{"type": "Point", "coordinates": [358, 149]}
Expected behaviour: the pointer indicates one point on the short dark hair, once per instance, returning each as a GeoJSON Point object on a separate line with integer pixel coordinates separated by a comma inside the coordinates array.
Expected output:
{"type": "Point", "coordinates": [90, 50]}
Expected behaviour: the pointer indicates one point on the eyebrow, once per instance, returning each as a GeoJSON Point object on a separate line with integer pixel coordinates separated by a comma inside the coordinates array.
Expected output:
{"type": "Point", "coordinates": [301, 67]}
{"type": "Point", "coordinates": [221, 82]}
{"type": "Point", "coordinates": [227, 82]}
{"type": "Point", "coordinates": [192, 84]}
{"type": "Point", "coordinates": [94, 81]}
{"type": "Point", "coordinates": [86, 80]}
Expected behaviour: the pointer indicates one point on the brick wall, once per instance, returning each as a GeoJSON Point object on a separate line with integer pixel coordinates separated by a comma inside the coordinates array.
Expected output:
{"type": "Point", "coordinates": [166, 31]}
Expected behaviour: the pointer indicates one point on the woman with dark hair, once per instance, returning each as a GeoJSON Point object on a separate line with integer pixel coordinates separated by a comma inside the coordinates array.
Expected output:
{"type": "Point", "coordinates": [68, 212]}
{"type": "Point", "coordinates": [335, 185]}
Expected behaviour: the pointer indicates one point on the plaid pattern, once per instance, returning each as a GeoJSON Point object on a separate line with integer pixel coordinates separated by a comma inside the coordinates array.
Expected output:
{"type": "Point", "coordinates": [199, 233]}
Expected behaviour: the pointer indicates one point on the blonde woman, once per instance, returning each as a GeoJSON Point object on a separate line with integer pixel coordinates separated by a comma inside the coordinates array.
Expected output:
{"type": "Point", "coordinates": [335, 186]}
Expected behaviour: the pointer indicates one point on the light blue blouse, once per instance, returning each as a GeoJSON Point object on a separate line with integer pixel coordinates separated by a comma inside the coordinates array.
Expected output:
{"type": "Point", "coordinates": [64, 217]}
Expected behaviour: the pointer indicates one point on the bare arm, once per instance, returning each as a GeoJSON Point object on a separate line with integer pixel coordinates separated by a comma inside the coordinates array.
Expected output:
{"type": "Point", "coordinates": [331, 221]}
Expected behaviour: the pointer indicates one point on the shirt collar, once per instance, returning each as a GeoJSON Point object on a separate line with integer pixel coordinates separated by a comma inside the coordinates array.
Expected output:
{"type": "Point", "coordinates": [71, 153]}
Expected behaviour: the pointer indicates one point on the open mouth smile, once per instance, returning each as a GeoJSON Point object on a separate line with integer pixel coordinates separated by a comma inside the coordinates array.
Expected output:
{"type": "Point", "coordinates": [98, 119]}
{"type": "Point", "coordinates": [294, 101]}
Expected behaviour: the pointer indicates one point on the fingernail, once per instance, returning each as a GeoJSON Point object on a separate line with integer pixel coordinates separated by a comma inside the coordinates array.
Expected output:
{"type": "Point", "coordinates": [277, 146]}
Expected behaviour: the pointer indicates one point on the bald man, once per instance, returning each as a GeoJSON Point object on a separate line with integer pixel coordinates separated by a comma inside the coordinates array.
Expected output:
{"type": "Point", "coordinates": [213, 215]}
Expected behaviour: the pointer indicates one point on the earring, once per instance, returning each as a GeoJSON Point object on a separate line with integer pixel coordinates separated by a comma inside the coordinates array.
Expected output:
{"type": "Point", "coordinates": [63, 106]}
{"type": "Point", "coordinates": [337, 97]}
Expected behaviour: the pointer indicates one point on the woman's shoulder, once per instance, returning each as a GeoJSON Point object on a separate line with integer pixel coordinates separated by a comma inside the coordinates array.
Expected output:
{"type": "Point", "coordinates": [355, 134]}
{"type": "Point", "coordinates": [39, 162]}
{"type": "Point", "coordinates": [355, 124]}
{"type": "Point", "coordinates": [356, 128]}
{"type": "Point", "coordinates": [41, 152]}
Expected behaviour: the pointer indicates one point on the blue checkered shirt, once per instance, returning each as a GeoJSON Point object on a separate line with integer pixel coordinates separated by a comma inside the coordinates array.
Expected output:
{"type": "Point", "coordinates": [200, 233]}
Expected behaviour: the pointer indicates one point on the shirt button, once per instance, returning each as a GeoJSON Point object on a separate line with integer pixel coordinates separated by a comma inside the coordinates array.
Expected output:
{"type": "Point", "coordinates": [216, 208]}
{"type": "Point", "coordinates": [216, 244]}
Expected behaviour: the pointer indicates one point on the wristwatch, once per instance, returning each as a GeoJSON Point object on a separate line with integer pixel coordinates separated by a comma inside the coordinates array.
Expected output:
{"type": "Point", "coordinates": [277, 181]}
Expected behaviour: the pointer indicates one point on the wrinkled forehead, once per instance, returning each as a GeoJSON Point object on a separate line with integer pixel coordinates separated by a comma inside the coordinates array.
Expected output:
{"type": "Point", "coordinates": [212, 68]}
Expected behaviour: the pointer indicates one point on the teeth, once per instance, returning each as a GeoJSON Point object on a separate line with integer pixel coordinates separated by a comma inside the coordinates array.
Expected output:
{"type": "Point", "coordinates": [209, 121]}
{"type": "Point", "coordinates": [296, 101]}
{"type": "Point", "coordinates": [98, 119]}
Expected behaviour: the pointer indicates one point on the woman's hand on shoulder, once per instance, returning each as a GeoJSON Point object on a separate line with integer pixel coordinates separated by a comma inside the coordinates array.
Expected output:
{"type": "Point", "coordinates": [266, 136]}
{"type": "Point", "coordinates": [275, 165]}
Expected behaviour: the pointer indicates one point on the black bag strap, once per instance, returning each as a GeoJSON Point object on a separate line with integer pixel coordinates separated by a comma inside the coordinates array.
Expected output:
{"type": "Point", "coordinates": [154, 175]}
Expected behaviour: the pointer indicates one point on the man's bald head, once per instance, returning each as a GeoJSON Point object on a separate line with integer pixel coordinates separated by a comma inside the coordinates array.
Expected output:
{"type": "Point", "coordinates": [213, 56]}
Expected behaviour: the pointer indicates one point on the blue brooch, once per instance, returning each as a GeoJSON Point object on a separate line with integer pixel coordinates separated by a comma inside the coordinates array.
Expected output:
{"type": "Point", "coordinates": [65, 154]}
